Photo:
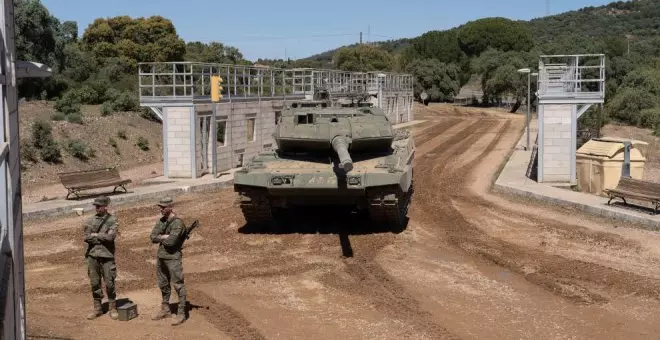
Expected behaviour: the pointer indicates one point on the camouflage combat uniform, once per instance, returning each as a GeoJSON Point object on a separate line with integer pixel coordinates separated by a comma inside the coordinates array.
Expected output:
{"type": "Point", "coordinates": [169, 266]}
{"type": "Point", "coordinates": [100, 257]}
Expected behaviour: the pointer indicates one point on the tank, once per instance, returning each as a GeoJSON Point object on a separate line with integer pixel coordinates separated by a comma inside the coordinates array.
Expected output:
{"type": "Point", "coordinates": [331, 153]}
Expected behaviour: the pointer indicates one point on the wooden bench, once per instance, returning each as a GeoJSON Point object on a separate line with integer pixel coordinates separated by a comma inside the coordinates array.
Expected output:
{"type": "Point", "coordinates": [75, 181]}
{"type": "Point", "coordinates": [636, 189]}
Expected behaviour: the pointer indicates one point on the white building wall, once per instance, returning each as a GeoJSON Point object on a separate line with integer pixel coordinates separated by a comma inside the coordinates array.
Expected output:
{"type": "Point", "coordinates": [557, 142]}
{"type": "Point", "coordinates": [178, 132]}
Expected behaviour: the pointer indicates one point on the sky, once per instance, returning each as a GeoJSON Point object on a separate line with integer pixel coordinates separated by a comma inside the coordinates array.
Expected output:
{"type": "Point", "coordinates": [298, 29]}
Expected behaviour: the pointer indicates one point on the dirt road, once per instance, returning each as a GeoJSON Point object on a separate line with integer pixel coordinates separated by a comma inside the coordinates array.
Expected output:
{"type": "Point", "coordinates": [469, 265]}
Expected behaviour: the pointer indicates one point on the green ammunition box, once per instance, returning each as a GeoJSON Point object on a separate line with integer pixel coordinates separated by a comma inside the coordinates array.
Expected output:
{"type": "Point", "coordinates": [127, 311]}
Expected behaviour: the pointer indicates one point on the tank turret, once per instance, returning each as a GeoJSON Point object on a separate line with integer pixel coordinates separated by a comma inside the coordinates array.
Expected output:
{"type": "Point", "coordinates": [342, 131]}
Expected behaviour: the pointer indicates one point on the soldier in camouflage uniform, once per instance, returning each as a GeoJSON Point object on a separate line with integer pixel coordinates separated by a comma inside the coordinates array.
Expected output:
{"type": "Point", "coordinates": [99, 234]}
{"type": "Point", "coordinates": [169, 233]}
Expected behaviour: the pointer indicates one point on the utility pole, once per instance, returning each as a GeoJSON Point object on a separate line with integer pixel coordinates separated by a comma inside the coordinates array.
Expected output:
{"type": "Point", "coordinates": [369, 34]}
{"type": "Point", "coordinates": [360, 38]}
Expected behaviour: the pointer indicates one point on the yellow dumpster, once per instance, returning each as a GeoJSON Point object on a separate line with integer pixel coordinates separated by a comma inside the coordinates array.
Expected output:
{"type": "Point", "coordinates": [599, 163]}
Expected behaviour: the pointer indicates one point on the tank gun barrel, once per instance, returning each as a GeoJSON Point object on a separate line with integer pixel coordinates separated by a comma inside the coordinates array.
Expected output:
{"type": "Point", "coordinates": [340, 145]}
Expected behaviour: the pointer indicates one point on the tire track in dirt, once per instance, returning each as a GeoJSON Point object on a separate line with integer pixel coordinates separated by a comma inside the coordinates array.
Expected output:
{"type": "Point", "coordinates": [472, 240]}
{"type": "Point", "coordinates": [434, 130]}
{"type": "Point", "coordinates": [369, 280]}
{"type": "Point", "coordinates": [376, 284]}
{"type": "Point", "coordinates": [564, 277]}
{"type": "Point", "coordinates": [224, 317]}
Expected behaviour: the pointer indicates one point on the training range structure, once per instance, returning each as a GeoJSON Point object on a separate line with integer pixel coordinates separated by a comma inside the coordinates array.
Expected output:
{"type": "Point", "coordinates": [203, 137]}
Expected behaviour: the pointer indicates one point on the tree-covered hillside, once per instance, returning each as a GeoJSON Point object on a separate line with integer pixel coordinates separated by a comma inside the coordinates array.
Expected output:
{"type": "Point", "coordinates": [627, 32]}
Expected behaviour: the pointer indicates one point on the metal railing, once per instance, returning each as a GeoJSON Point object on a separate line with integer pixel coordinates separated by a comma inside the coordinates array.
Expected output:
{"type": "Point", "coordinates": [185, 81]}
{"type": "Point", "coordinates": [574, 76]}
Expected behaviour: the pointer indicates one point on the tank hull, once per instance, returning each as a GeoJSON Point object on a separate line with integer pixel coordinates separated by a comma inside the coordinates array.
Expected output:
{"type": "Point", "coordinates": [379, 184]}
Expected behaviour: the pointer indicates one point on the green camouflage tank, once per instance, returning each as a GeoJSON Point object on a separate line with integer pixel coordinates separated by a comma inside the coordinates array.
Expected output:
{"type": "Point", "coordinates": [331, 155]}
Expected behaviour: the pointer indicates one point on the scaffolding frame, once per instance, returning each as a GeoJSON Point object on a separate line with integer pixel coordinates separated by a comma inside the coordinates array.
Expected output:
{"type": "Point", "coordinates": [177, 82]}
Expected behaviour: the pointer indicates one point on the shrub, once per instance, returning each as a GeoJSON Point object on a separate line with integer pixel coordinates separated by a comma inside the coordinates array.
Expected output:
{"type": "Point", "coordinates": [143, 143]}
{"type": "Point", "coordinates": [107, 108]}
{"type": "Point", "coordinates": [126, 101]}
{"type": "Point", "coordinates": [42, 133]}
{"type": "Point", "coordinates": [68, 103]}
{"type": "Point", "coordinates": [75, 117]}
{"type": "Point", "coordinates": [42, 139]}
{"type": "Point", "coordinates": [80, 150]}
{"type": "Point", "coordinates": [122, 134]}
{"type": "Point", "coordinates": [28, 151]}
{"type": "Point", "coordinates": [87, 95]}
{"type": "Point", "coordinates": [58, 116]}
{"type": "Point", "coordinates": [51, 153]}
{"type": "Point", "coordinates": [113, 143]}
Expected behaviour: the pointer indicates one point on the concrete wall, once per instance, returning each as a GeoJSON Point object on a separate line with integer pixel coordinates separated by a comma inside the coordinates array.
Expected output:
{"type": "Point", "coordinates": [177, 134]}
{"type": "Point", "coordinates": [249, 129]}
{"type": "Point", "coordinates": [557, 146]}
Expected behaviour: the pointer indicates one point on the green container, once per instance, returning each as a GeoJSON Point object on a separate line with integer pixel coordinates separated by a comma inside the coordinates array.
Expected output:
{"type": "Point", "coordinates": [127, 311]}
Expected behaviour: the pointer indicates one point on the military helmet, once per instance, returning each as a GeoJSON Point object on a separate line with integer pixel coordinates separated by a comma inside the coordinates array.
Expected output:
{"type": "Point", "coordinates": [166, 202]}
{"type": "Point", "coordinates": [101, 201]}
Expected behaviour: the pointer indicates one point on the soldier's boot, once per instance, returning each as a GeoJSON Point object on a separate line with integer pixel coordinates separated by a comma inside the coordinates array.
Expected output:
{"type": "Point", "coordinates": [97, 311]}
{"type": "Point", "coordinates": [180, 316]}
{"type": "Point", "coordinates": [112, 310]}
{"type": "Point", "coordinates": [162, 312]}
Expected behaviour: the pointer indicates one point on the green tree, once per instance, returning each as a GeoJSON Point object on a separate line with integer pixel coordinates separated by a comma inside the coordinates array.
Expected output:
{"type": "Point", "coordinates": [439, 80]}
{"type": "Point", "coordinates": [363, 58]}
{"type": "Point", "coordinates": [499, 33]}
{"type": "Point", "coordinates": [499, 71]}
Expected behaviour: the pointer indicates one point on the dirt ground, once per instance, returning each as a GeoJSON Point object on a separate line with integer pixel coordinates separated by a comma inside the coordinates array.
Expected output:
{"type": "Point", "coordinates": [469, 265]}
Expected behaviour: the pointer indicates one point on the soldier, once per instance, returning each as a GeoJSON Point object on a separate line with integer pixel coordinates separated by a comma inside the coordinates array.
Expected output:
{"type": "Point", "coordinates": [99, 234]}
{"type": "Point", "coordinates": [169, 233]}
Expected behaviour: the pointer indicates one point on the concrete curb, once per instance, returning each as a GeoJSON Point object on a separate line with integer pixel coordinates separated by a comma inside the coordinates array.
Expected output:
{"type": "Point", "coordinates": [119, 200]}
{"type": "Point", "coordinates": [646, 223]}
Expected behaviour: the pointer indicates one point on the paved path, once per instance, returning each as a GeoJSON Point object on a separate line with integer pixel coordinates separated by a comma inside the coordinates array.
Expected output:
{"type": "Point", "coordinates": [513, 181]}
{"type": "Point", "coordinates": [155, 188]}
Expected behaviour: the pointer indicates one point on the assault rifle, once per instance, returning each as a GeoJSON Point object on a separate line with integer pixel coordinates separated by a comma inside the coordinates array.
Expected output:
{"type": "Point", "coordinates": [188, 231]}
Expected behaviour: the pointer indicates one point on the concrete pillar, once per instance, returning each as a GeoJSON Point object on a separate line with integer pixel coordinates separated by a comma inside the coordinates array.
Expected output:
{"type": "Point", "coordinates": [556, 143]}
{"type": "Point", "coordinates": [178, 141]}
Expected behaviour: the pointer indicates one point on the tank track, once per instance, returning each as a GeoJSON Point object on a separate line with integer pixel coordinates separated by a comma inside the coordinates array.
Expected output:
{"type": "Point", "coordinates": [255, 206]}
{"type": "Point", "coordinates": [389, 206]}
